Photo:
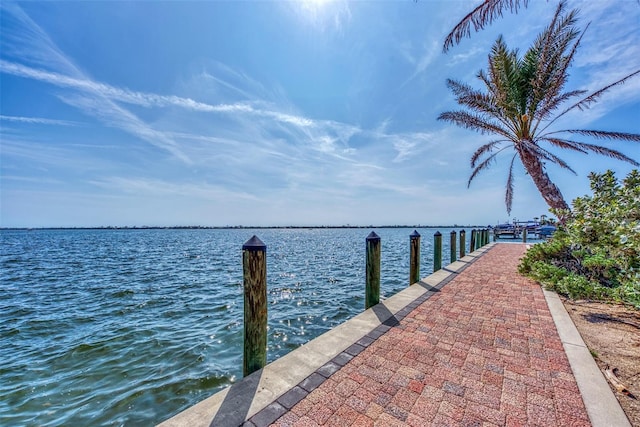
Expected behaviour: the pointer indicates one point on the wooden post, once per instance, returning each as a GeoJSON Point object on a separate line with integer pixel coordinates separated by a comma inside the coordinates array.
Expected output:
{"type": "Point", "coordinates": [472, 241]}
{"type": "Point", "coordinates": [452, 246]}
{"type": "Point", "coordinates": [524, 235]}
{"type": "Point", "coordinates": [254, 266]}
{"type": "Point", "coordinates": [462, 242]}
{"type": "Point", "coordinates": [437, 251]}
{"type": "Point", "coordinates": [495, 234]}
{"type": "Point", "coordinates": [372, 287]}
{"type": "Point", "coordinates": [414, 257]}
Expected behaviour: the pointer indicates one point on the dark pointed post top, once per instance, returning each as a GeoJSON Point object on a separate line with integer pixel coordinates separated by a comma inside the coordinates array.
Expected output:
{"type": "Point", "coordinates": [254, 244]}
{"type": "Point", "coordinates": [437, 233]}
{"type": "Point", "coordinates": [453, 232]}
{"type": "Point", "coordinates": [414, 234]}
{"type": "Point", "coordinates": [373, 237]}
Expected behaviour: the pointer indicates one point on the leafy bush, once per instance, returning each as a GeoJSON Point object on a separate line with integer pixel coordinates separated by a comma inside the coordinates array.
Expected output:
{"type": "Point", "coordinates": [596, 253]}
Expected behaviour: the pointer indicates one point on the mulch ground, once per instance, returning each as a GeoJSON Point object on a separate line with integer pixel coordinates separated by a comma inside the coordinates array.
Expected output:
{"type": "Point", "coordinates": [483, 351]}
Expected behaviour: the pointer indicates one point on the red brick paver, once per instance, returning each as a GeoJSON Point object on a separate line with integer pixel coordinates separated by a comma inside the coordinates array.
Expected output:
{"type": "Point", "coordinates": [482, 352]}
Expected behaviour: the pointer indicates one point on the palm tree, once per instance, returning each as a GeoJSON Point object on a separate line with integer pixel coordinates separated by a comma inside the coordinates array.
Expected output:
{"type": "Point", "coordinates": [521, 102]}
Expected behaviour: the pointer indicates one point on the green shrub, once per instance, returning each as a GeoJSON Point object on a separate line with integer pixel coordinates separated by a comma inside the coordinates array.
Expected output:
{"type": "Point", "coordinates": [596, 253]}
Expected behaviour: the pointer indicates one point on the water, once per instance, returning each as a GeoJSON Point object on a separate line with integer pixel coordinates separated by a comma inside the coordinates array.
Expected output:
{"type": "Point", "coordinates": [130, 327]}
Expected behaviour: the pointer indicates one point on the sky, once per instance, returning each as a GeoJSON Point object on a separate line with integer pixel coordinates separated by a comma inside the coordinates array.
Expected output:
{"type": "Point", "coordinates": [216, 113]}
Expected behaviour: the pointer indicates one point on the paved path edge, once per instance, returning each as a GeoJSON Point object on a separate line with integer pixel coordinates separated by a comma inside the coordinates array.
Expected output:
{"type": "Point", "coordinates": [602, 406]}
{"type": "Point", "coordinates": [262, 397]}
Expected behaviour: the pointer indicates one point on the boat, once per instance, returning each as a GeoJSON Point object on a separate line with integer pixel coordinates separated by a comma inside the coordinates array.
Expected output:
{"type": "Point", "coordinates": [515, 229]}
{"type": "Point", "coordinates": [506, 230]}
{"type": "Point", "coordinates": [545, 231]}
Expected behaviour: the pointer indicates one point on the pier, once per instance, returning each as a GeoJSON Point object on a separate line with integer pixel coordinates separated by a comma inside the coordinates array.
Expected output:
{"type": "Point", "coordinates": [474, 343]}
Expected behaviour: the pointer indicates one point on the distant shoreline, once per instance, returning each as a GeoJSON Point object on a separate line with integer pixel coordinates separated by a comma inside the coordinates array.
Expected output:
{"type": "Point", "coordinates": [239, 227]}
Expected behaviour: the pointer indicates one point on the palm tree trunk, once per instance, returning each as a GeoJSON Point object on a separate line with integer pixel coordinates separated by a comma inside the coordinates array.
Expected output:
{"type": "Point", "coordinates": [548, 190]}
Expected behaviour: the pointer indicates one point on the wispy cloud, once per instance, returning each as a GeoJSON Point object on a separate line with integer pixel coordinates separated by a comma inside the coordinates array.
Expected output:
{"type": "Point", "coordinates": [429, 52]}
{"type": "Point", "coordinates": [156, 187]}
{"type": "Point", "coordinates": [119, 94]}
{"type": "Point", "coordinates": [113, 115]}
{"type": "Point", "coordinates": [28, 41]}
{"type": "Point", "coordinates": [38, 121]}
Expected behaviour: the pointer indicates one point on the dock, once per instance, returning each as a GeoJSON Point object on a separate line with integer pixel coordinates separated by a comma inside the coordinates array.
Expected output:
{"type": "Point", "coordinates": [472, 344]}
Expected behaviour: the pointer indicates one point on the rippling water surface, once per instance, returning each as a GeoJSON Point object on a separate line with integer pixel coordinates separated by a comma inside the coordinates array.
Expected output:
{"type": "Point", "coordinates": [130, 327]}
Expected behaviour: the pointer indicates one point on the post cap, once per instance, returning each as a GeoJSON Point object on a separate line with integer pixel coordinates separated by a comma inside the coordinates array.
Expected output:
{"type": "Point", "coordinates": [463, 231]}
{"type": "Point", "coordinates": [453, 232]}
{"type": "Point", "coordinates": [373, 236]}
{"type": "Point", "coordinates": [254, 244]}
{"type": "Point", "coordinates": [437, 233]}
{"type": "Point", "coordinates": [415, 234]}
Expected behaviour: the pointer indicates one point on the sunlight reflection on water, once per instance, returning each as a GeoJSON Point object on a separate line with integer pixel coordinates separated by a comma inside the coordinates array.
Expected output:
{"type": "Point", "coordinates": [113, 327]}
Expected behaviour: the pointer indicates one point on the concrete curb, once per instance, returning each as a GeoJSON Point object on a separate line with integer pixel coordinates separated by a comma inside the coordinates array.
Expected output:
{"type": "Point", "coordinates": [602, 406]}
{"type": "Point", "coordinates": [265, 395]}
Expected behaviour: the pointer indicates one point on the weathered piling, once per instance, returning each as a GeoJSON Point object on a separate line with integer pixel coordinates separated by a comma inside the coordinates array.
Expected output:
{"type": "Point", "coordinates": [372, 287]}
{"type": "Point", "coordinates": [414, 257]}
{"type": "Point", "coordinates": [437, 251]}
{"type": "Point", "coordinates": [472, 241]}
{"type": "Point", "coordinates": [452, 246]}
{"type": "Point", "coordinates": [462, 243]}
{"type": "Point", "coordinates": [524, 235]}
{"type": "Point", "coordinates": [254, 266]}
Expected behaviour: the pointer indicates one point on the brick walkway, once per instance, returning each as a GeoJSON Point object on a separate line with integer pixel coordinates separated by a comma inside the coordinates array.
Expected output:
{"type": "Point", "coordinates": [482, 352]}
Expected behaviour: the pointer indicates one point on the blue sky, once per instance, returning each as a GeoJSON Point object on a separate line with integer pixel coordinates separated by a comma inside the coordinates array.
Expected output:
{"type": "Point", "coordinates": [274, 113]}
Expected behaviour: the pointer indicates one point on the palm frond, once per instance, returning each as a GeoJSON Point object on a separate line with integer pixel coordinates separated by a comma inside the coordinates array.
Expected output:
{"type": "Point", "coordinates": [484, 149]}
{"type": "Point", "coordinates": [475, 122]}
{"type": "Point", "coordinates": [566, 144]}
{"type": "Point", "coordinates": [550, 104]}
{"type": "Point", "coordinates": [602, 134]}
{"type": "Point", "coordinates": [550, 51]}
{"type": "Point", "coordinates": [472, 98]}
{"type": "Point", "coordinates": [599, 149]}
{"type": "Point", "coordinates": [481, 16]}
{"type": "Point", "coordinates": [508, 195]}
{"type": "Point", "coordinates": [592, 98]}
{"type": "Point", "coordinates": [541, 153]}
{"type": "Point", "coordinates": [481, 166]}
